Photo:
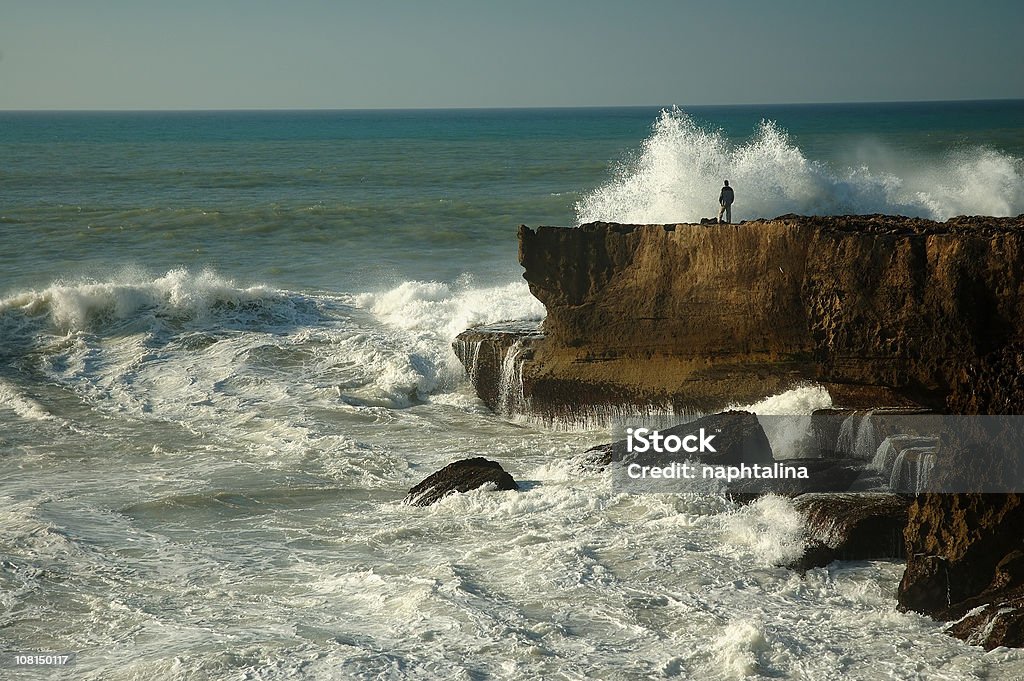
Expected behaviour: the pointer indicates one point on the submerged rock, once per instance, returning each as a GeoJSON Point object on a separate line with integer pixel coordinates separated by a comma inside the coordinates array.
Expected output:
{"type": "Point", "coordinates": [461, 476]}
{"type": "Point", "coordinates": [852, 527]}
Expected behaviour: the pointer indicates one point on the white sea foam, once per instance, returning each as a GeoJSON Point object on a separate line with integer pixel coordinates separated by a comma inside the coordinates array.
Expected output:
{"type": "Point", "coordinates": [789, 436]}
{"type": "Point", "coordinates": [739, 649]}
{"type": "Point", "coordinates": [800, 401]}
{"type": "Point", "coordinates": [427, 316]}
{"type": "Point", "coordinates": [75, 306]}
{"type": "Point", "coordinates": [443, 311]}
{"type": "Point", "coordinates": [676, 174]}
{"type": "Point", "coordinates": [22, 405]}
{"type": "Point", "coordinates": [769, 531]}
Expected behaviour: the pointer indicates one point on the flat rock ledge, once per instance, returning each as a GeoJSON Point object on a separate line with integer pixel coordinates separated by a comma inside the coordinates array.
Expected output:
{"type": "Point", "coordinates": [461, 476]}
{"type": "Point", "coordinates": [884, 310]}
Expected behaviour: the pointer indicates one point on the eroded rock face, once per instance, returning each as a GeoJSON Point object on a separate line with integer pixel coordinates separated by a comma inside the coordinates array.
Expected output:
{"type": "Point", "coordinates": [852, 527]}
{"type": "Point", "coordinates": [700, 316]}
{"type": "Point", "coordinates": [965, 551]}
{"type": "Point", "coordinates": [994, 384]}
{"type": "Point", "coordinates": [493, 357]}
{"type": "Point", "coordinates": [460, 476]}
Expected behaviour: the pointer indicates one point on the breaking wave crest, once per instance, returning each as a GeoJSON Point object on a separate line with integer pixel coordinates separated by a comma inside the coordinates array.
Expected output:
{"type": "Point", "coordinates": [179, 295]}
{"type": "Point", "coordinates": [676, 174]}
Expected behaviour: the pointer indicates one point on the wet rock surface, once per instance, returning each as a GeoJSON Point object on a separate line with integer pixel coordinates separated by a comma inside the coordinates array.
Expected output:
{"type": "Point", "coordinates": [852, 527]}
{"type": "Point", "coordinates": [461, 476]}
{"type": "Point", "coordinates": [966, 551]}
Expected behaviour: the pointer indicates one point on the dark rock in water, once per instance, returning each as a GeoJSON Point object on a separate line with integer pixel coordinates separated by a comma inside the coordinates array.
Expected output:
{"type": "Point", "coordinates": [709, 221]}
{"type": "Point", "coordinates": [852, 527]}
{"type": "Point", "coordinates": [738, 438]}
{"type": "Point", "coordinates": [965, 551]}
{"type": "Point", "coordinates": [1000, 619]}
{"type": "Point", "coordinates": [461, 476]}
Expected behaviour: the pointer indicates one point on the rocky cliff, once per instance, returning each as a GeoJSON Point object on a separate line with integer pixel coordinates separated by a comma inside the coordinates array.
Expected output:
{"type": "Point", "coordinates": [698, 316]}
{"type": "Point", "coordinates": [885, 311]}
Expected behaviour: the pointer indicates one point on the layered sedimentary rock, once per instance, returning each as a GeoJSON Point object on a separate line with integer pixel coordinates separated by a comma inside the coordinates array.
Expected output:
{"type": "Point", "coordinates": [701, 316]}
{"type": "Point", "coordinates": [852, 527]}
{"type": "Point", "coordinates": [493, 356]}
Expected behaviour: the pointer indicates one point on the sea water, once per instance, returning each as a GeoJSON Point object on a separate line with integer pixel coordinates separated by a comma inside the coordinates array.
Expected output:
{"type": "Point", "coordinates": [225, 356]}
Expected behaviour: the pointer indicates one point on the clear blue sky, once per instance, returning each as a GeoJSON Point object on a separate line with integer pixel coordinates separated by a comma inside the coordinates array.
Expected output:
{"type": "Point", "coordinates": [226, 54]}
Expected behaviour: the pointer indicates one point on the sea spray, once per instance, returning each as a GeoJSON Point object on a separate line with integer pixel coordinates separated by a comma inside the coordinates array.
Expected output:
{"type": "Point", "coordinates": [789, 437]}
{"type": "Point", "coordinates": [426, 317]}
{"type": "Point", "coordinates": [676, 174]}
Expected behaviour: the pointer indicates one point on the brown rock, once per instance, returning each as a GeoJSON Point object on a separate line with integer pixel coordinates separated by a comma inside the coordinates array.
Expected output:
{"type": "Point", "coordinates": [964, 552]}
{"type": "Point", "coordinates": [700, 316]}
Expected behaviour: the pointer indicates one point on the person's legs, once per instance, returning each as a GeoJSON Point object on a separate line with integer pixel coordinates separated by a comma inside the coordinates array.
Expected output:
{"type": "Point", "coordinates": [721, 211]}
{"type": "Point", "coordinates": [728, 212]}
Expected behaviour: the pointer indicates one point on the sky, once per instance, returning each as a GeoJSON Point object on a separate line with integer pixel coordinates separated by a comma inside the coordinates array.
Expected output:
{"type": "Point", "coordinates": [340, 54]}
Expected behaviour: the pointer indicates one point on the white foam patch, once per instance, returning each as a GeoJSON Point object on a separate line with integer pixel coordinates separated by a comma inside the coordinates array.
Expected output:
{"type": "Point", "coordinates": [739, 648]}
{"type": "Point", "coordinates": [22, 405]}
{"type": "Point", "coordinates": [443, 311]}
{"type": "Point", "coordinates": [676, 174]}
{"type": "Point", "coordinates": [770, 531]}
{"type": "Point", "coordinates": [789, 436]}
{"type": "Point", "coordinates": [426, 317]}
{"type": "Point", "coordinates": [800, 401]}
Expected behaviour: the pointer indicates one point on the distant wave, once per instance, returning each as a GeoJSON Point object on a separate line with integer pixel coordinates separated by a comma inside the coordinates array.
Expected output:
{"type": "Point", "coordinates": [677, 172]}
{"type": "Point", "coordinates": [179, 295]}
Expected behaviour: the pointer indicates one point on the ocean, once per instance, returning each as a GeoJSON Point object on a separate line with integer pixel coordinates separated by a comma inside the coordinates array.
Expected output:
{"type": "Point", "coordinates": [225, 356]}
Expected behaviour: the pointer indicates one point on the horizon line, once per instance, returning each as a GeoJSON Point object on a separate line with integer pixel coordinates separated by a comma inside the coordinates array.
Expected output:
{"type": "Point", "coordinates": [256, 109]}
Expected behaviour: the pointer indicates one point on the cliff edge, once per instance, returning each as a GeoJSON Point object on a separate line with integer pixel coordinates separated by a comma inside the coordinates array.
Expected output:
{"type": "Point", "coordinates": [881, 309]}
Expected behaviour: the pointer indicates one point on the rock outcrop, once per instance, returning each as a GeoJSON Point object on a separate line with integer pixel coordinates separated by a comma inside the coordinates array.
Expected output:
{"type": "Point", "coordinates": [701, 316]}
{"type": "Point", "coordinates": [884, 311]}
{"type": "Point", "coordinates": [966, 551]}
{"type": "Point", "coordinates": [493, 356]}
{"type": "Point", "coordinates": [852, 527]}
{"type": "Point", "coordinates": [461, 476]}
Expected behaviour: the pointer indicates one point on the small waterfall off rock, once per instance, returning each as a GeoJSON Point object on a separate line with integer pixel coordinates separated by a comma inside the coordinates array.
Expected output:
{"type": "Point", "coordinates": [511, 393]}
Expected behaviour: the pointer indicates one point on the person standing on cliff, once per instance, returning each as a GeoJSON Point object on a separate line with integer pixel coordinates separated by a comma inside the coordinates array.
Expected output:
{"type": "Point", "coordinates": [725, 201]}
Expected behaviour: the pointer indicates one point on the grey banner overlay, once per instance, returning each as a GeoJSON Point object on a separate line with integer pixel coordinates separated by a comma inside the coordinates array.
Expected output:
{"type": "Point", "coordinates": [836, 451]}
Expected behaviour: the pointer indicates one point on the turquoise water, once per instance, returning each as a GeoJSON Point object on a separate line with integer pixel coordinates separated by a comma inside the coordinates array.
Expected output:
{"type": "Point", "coordinates": [225, 355]}
{"type": "Point", "coordinates": [360, 200]}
